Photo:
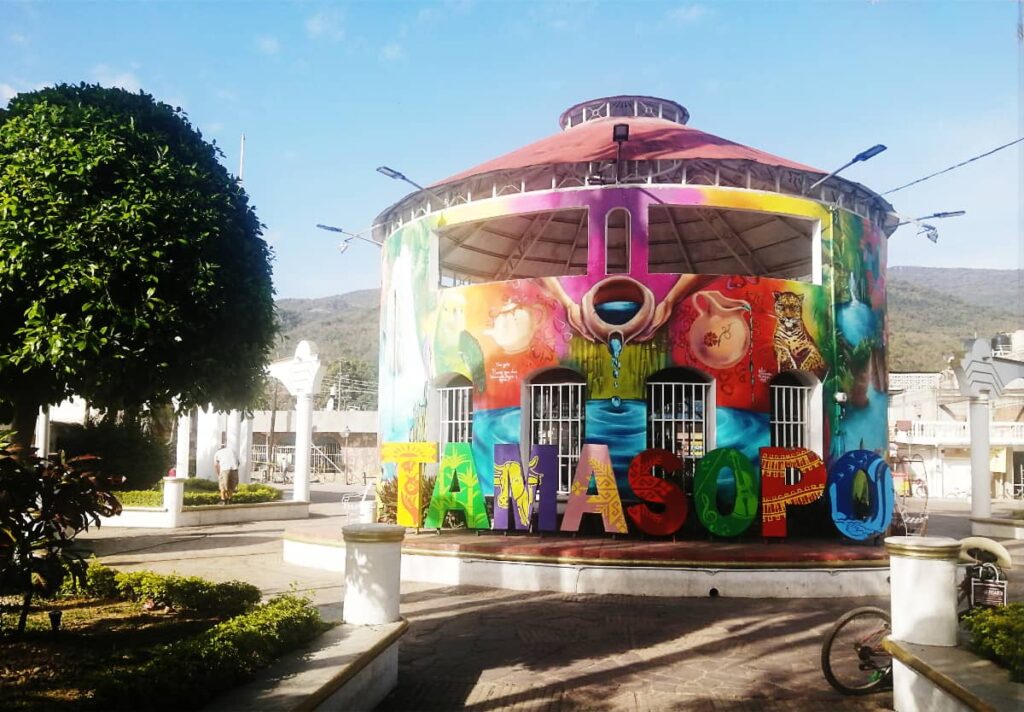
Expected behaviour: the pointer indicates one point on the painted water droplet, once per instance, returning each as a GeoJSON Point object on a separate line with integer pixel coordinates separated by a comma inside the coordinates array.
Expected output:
{"type": "Point", "coordinates": [616, 402]}
{"type": "Point", "coordinates": [615, 348]}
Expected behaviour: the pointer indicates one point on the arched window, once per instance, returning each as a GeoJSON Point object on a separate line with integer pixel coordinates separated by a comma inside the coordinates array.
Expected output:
{"type": "Point", "coordinates": [680, 414]}
{"type": "Point", "coordinates": [795, 413]}
{"type": "Point", "coordinates": [456, 411]}
{"type": "Point", "coordinates": [617, 236]}
{"type": "Point", "coordinates": [558, 399]}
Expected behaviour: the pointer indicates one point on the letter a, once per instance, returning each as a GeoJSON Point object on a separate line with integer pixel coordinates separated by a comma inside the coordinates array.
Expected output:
{"type": "Point", "coordinates": [597, 463]}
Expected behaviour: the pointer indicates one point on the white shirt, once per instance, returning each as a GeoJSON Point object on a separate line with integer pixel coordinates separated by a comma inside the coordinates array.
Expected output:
{"type": "Point", "coordinates": [225, 458]}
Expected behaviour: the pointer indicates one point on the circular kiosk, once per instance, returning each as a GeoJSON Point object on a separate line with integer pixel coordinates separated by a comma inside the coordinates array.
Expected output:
{"type": "Point", "coordinates": [632, 291]}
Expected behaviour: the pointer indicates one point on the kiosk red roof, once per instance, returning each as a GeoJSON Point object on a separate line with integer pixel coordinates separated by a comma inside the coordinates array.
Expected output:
{"type": "Point", "coordinates": [649, 139]}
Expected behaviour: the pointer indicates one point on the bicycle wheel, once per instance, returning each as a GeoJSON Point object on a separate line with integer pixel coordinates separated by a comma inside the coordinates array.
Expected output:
{"type": "Point", "coordinates": [852, 657]}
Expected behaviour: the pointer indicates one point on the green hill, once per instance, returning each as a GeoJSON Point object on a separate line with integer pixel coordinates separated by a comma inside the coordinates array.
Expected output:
{"type": "Point", "coordinates": [930, 311]}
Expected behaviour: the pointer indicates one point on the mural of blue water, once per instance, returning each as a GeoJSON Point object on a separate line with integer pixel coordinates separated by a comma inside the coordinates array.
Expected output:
{"type": "Point", "coordinates": [617, 313]}
{"type": "Point", "coordinates": [491, 427]}
{"type": "Point", "coordinates": [746, 431]}
{"type": "Point", "coordinates": [623, 428]}
{"type": "Point", "coordinates": [864, 428]}
{"type": "Point", "coordinates": [856, 320]}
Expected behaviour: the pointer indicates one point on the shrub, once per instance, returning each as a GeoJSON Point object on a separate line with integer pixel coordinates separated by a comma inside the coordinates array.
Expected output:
{"type": "Point", "coordinates": [187, 592]}
{"type": "Point", "coordinates": [44, 505]}
{"type": "Point", "coordinates": [998, 634]}
{"type": "Point", "coordinates": [99, 581]}
{"type": "Point", "coordinates": [123, 448]}
{"type": "Point", "coordinates": [217, 659]}
{"type": "Point", "coordinates": [198, 493]}
{"type": "Point", "coordinates": [140, 498]}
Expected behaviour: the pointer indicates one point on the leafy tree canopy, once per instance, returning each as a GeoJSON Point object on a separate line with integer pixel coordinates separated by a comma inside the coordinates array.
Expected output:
{"type": "Point", "coordinates": [132, 267]}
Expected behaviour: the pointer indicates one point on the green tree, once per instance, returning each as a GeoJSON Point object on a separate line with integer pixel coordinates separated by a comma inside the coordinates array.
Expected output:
{"type": "Point", "coordinates": [132, 267]}
{"type": "Point", "coordinates": [355, 385]}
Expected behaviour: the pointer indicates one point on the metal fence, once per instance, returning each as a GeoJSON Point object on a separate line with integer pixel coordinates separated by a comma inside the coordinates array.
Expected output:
{"type": "Point", "coordinates": [327, 463]}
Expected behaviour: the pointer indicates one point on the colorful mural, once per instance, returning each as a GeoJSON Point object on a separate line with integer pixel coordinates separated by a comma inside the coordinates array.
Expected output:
{"type": "Point", "coordinates": [616, 331]}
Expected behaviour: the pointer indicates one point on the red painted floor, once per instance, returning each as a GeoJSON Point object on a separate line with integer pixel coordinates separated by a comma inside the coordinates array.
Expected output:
{"type": "Point", "coordinates": [596, 549]}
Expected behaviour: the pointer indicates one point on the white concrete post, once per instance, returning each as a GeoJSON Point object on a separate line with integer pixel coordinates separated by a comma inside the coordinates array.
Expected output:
{"type": "Point", "coordinates": [301, 375]}
{"type": "Point", "coordinates": [207, 441]}
{"type": "Point", "coordinates": [922, 573]}
{"type": "Point", "coordinates": [373, 560]}
{"type": "Point", "coordinates": [174, 499]}
{"type": "Point", "coordinates": [245, 451]}
{"type": "Point", "coordinates": [981, 472]}
{"type": "Point", "coordinates": [181, 453]}
{"type": "Point", "coordinates": [41, 436]}
{"type": "Point", "coordinates": [303, 442]}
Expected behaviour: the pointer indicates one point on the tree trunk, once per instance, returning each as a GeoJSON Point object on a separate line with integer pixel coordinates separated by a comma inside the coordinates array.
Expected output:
{"type": "Point", "coordinates": [24, 423]}
{"type": "Point", "coordinates": [26, 602]}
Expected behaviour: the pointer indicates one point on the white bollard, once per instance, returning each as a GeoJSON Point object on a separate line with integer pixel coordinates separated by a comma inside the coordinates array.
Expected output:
{"type": "Point", "coordinates": [174, 499]}
{"type": "Point", "coordinates": [368, 511]}
{"type": "Point", "coordinates": [373, 566]}
{"type": "Point", "coordinates": [922, 573]}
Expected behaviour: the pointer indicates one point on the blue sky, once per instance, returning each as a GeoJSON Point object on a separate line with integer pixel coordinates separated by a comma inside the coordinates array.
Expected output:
{"type": "Point", "coordinates": [326, 92]}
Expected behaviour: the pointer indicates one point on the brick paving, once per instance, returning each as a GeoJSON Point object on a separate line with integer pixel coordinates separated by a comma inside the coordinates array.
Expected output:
{"type": "Point", "coordinates": [491, 649]}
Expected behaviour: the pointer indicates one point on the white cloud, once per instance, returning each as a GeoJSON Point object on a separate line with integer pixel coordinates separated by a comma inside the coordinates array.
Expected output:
{"type": "Point", "coordinates": [7, 92]}
{"type": "Point", "coordinates": [266, 44]}
{"type": "Point", "coordinates": [326, 24]}
{"type": "Point", "coordinates": [109, 77]}
{"type": "Point", "coordinates": [18, 38]}
{"type": "Point", "coordinates": [392, 52]}
{"type": "Point", "coordinates": [686, 14]}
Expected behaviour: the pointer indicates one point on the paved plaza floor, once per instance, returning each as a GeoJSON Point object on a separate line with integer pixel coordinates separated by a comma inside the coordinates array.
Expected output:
{"type": "Point", "coordinates": [492, 649]}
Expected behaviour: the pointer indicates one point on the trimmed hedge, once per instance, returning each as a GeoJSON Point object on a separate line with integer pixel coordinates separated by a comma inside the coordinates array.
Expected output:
{"type": "Point", "coordinates": [185, 674]}
{"type": "Point", "coordinates": [998, 634]}
{"type": "Point", "coordinates": [181, 592]}
{"type": "Point", "coordinates": [199, 492]}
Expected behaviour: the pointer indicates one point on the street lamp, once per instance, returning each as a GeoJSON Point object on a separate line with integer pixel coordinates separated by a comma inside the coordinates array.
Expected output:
{"type": "Point", "coordinates": [859, 158]}
{"type": "Point", "coordinates": [926, 229]}
{"type": "Point", "coordinates": [620, 134]}
{"type": "Point", "coordinates": [398, 175]}
{"type": "Point", "coordinates": [349, 236]}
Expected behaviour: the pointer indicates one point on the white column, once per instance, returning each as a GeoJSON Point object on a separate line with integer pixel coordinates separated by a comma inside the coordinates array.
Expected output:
{"type": "Point", "coordinates": [41, 436]}
{"type": "Point", "coordinates": [303, 441]}
{"type": "Point", "coordinates": [233, 429]}
{"type": "Point", "coordinates": [245, 451]}
{"type": "Point", "coordinates": [373, 560]}
{"type": "Point", "coordinates": [922, 572]}
{"type": "Point", "coordinates": [181, 454]}
{"type": "Point", "coordinates": [174, 498]}
{"type": "Point", "coordinates": [207, 441]}
{"type": "Point", "coordinates": [981, 473]}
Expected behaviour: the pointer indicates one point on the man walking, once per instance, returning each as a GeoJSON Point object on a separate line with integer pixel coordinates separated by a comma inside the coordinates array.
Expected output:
{"type": "Point", "coordinates": [225, 462]}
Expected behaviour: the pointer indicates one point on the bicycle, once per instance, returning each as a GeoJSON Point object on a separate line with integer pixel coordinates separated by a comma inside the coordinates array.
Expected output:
{"type": "Point", "coordinates": [852, 657]}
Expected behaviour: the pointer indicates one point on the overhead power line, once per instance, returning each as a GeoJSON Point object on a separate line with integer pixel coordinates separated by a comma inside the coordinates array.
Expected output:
{"type": "Point", "coordinates": [958, 165]}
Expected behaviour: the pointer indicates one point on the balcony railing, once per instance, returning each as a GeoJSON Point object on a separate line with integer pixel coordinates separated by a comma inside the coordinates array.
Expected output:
{"type": "Point", "coordinates": [950, 432]}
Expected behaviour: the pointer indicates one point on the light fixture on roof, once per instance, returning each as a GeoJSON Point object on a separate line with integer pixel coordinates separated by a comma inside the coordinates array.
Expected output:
{"type": "Point", "coordinates": [930, 231]}
{"type": "Point", "coordinates": [864, 155]}
{"type": "Point", "coordinates": [620, 134]}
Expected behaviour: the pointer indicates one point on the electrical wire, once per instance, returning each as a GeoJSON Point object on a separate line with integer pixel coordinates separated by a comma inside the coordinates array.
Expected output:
{"type": "Point", "coordinates": [958, 165]}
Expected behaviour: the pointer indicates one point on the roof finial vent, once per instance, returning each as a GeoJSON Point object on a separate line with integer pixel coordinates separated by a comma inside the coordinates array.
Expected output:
{"type": "Point", "coordinates": [626, 105]}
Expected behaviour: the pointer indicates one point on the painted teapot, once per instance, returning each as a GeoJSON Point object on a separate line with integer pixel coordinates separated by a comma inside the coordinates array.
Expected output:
{"type": "Point", "coordinates": [720, 335]}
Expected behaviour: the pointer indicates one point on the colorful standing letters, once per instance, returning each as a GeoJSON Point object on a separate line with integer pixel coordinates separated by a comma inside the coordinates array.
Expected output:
{"type": "Point", "coordinates": [849, 505]}
{"type": "Point", "coordinates": [457, 487]}
{"type": "Point", "coordinates": [519, 491]}
{"type": "Point", "coordinates": [705, 492]}
{"type": "Point", "coordinates": [595, 465]}
{"type": "Point", "coordinates": [515, 490]}
{"type": "Point", "coordinates": [409, 458]}
{"type": "Point", "coordinates": [776, 495]}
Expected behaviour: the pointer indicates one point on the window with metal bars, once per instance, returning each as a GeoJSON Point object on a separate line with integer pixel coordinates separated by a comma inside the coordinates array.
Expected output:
{"type": "Point", "coordinates": [790, 422]}
{"type": "Point", "coordinates": [456, 420]}
{"type": "Point", "coordinates": [677, 409]}
{"type": "Point", "coordinates": [558, 417]}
